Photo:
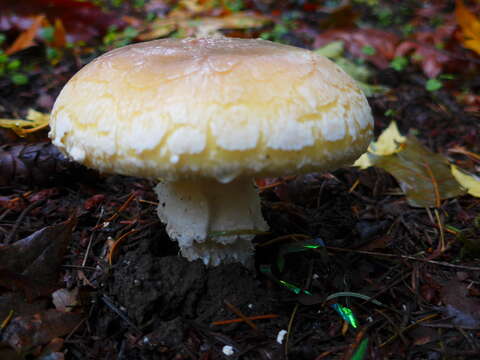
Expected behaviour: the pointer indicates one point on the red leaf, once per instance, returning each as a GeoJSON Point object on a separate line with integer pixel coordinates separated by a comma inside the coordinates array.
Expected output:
{"type": "Point", "coordinates": [356, 40]}
{"type": "Point", "coordinates": [82, 20]}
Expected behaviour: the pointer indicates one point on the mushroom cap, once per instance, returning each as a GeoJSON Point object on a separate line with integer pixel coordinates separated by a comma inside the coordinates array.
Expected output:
{"type": "Point", "coordinates": [211, 107]}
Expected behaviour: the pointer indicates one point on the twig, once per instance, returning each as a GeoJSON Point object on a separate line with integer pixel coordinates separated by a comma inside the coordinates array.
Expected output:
{"type": "Point", "coordinates": [117, 243]}
{"type": "Point", "coordinates": [289, 329]}
{"type": "Point", "coordinates": [258, 317]}
{"type": "Point", "coordinates": [237, 311]}
{"type": "Point", "coordinates": [89, 246]}
{"type": "Point", "coordinates": [19, 220]}
{"type": "Point", "coordinates": [407, 328]}
{"type": "Point", "coordinates": [442, 234]}
{"type": "Point", "coordinates": [406, 257]}
{"type": "Point", "coordinates": [110, 304]}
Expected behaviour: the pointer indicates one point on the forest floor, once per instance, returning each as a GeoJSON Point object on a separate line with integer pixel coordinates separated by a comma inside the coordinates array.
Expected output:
{"type": "Point", "coordinates": [374, 263]}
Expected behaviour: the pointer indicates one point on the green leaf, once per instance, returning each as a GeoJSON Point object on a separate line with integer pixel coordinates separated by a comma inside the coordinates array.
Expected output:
{"type": "Point", "coordinates": [369, 50]}
{"type": "Point", "coordinates": [361, 351]}
{"type": "Point", "coordinates": [433, 84]}
{"type": "Point", "coordinates": [52, 53]}
{"type": "Point", "coordinates": [390, 112]}
{"type": "Point", "coordinates": [3, 57]}
{"type": "Point", "coordinates": [19, 79]}
{"type": "Point", "coordinates": [47, 33]}
{"type": "Point", "coordinates": [332, 50]}
{"type": "Point", "coordinates": [14, 65]}
{"type": "Point", "coordinates": [399, 63]}
{"type": "Point", "coordinates": [3, 37]}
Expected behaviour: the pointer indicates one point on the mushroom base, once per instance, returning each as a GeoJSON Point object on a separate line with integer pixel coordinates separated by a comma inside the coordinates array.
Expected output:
{"type": "Point", "coordinates": [211, 221]}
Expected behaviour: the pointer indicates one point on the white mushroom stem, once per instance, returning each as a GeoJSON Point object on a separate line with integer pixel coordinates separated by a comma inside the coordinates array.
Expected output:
{"type": "Point", "coordinates": [211, 221]}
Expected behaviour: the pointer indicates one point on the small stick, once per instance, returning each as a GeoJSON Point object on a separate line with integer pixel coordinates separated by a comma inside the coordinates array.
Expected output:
{"type": "Point", "coordinates": [406, 257]}
{"type": "Point", "coordinates": [407, 328]}
{"type": "Point", "coordinates": [19, 220]}
{"type": "Point", "coordinates": [258, 317]}
{"type": "Point", "coordinates": [117, 243]}
{"type": "Point", "coordinates": [237, 311]}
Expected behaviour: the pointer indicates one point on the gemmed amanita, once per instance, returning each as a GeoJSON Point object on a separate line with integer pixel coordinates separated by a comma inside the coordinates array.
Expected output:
{"type": "Point", "coordinates": [205, 116]}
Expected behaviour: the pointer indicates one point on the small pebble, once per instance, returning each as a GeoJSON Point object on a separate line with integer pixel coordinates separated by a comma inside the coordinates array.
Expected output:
{"type": "Point", "coordinates": [281, 335]}
{"type": "Point", "coordinates": [228, 350]}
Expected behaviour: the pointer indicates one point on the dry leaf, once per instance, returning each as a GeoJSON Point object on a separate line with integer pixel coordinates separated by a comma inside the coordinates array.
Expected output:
{"type": "Point", "coordinates": [463, 310]}
{"type": "Point", "coordinates": [388, 143]}
{"type": "Point", "coordinates": [356, 40]}
{"type": "Point", "coordinates": [25, 332]}
{"type": "Point", "coordinates": [203, 26]}
{"type": "Point", "coordinates": [424, 176]}
{"type": "Point", "coordinates": [25, 39]}
{"type": "Point", "coordinates": [470, 26]}
{"type": "Point", "coordinates": [83, 20]}
{"type": "Point", "coordinates": [31, 264]}
{"type": "Point", "coordinates": [469, 181]}
{"type": "Point", "coordinates": [34, 121]}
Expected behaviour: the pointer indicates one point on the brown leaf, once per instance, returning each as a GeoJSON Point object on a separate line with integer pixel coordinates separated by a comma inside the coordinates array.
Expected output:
{"type": "Point", "coordinates": [424, 176]}
{"type": "Point", "coordinates": [17, 303]}
{"type": "Point", "coordinates": [59, 35]}
{"type": "Point", "coordinates": [463, 309]}
{"type": "Point", "coordinates": [26, 332]}
{"type": "Point", "coordinates": [25, 39]}
{"type": "Point", "coordinates": [31, 264]}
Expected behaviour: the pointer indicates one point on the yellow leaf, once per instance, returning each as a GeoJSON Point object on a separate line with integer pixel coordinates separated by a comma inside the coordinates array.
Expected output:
{"type": "Point", "coordinates": [468, 181]}
{"type": "Point", "coordinates": [424, 176]}
{"type": "Point", "coordinates": [34, 121]}
{"type": "Point", "coordinates": [389, 142]}
{"type": "Point", "coordinates": [470, 25]}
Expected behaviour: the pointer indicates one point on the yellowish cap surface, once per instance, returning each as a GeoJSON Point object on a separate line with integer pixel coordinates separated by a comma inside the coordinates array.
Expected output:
{"type": "Point", "coordinates": [211, 107]}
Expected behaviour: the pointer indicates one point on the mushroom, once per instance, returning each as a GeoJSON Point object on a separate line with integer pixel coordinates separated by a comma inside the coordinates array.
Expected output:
{"type": "Point", "coordinates": [204, 117]}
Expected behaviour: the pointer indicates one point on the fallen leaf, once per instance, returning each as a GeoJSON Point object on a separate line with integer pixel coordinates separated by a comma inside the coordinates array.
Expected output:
{"type": "Point", "coordinates": [430, 59]}
{"type": "Point", "coordinates": [470, 26]}
{"type": "Point", "coordinates": [202, 26]}
{"type": "Point", "coordinates": [423, 176]}
{"type": "Point", "coordinates": [388, 143]}
{"type": "Point", "coordinates": [59, 35]}
{"type": "Point", "coordinates": [83, 20]}
{"type": "Point", "coordinates": [25, 39]}
{"type": "Point", "coordinates": [463, 309]}
{"type": "Point", "coordinates": [16, 302]}
{"type": "Point", "coordinates": [32, 264]}
{"type": "Point", "coordinates": [383, 43]}
{"type": "Point", "coordinates": [469, 181]}
{"type": "Point", "coordinates": [34, 121]}
{"type": "Point", "coordinates": [25, 332]}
